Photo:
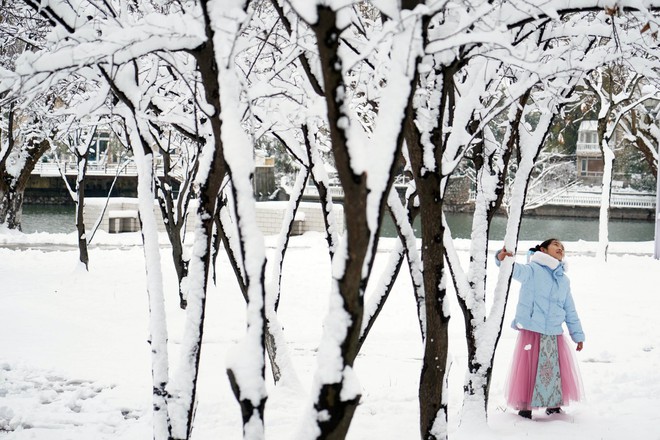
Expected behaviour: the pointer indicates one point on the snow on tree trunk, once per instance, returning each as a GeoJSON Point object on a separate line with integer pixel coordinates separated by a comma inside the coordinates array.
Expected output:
{"type": "Point", "coordinates": [425, 141]}
{"type": "Point", "coordinates": [484, 328]}
{"type": "Point", "coordinates": [432, 384]}
{"type": "Point", "coordinates": [337, 391]}
{"type": "Point", "coordinates": [275, 342]}
{"type": "Point", "coordinates": [14, 179]}
{"type": "Point", "coordinates": [144, 158]}
{"type": "Point", "coordinates": [406, 245]}
{"type": "Point", "coordinates": [175, 214]}
{"type": "Point", "coordinates": [321, 180]}
{"type": "Point", "coordinates": [80, 203]}
{"type": "Point", "coordinates": [11, 208]}
{"type": "Point", "coordinates": [246, 362]}
{"type": "Point", "coordinates": [612, 107]}
{"type": "Point", "coordinates": [425, 148]}
{"type": "Point", "coordinates": [184, 382]}
{"type": "Point", "coordinates": [366, 177]}
{"type": "Point", "coordinates": [605, 198]}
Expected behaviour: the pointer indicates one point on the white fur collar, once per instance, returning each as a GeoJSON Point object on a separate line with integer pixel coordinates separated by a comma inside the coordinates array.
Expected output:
{"type": "Point", "coordinates": [545, 260]}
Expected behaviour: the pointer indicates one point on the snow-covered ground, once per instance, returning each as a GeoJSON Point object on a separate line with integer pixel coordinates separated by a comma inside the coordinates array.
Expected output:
{"type": "Point", "coordinates": [74, 358]}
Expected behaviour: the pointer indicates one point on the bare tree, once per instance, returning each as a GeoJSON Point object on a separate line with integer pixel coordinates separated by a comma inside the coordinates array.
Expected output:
{"type": "Point", "coordinates": [79, 142]}
{"type": "Point", "coordinates": [616, 88]}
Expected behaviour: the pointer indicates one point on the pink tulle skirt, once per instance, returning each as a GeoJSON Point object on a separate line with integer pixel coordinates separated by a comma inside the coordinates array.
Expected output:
{"type": "Point", "coordinates": [522, 376]}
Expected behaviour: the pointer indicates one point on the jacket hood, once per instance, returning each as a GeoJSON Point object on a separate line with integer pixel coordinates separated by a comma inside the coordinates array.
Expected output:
{"type": "Point", "coordinates": [556, 266]}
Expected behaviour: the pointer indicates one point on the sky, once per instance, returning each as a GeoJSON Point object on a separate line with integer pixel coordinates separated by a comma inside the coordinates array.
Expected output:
{"type": "Point", "coordinates": [75, 364]}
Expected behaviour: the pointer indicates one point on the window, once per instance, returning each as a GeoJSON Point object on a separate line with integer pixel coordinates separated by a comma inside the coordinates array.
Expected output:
{"type": "Point", "coordinates": [99, 148]}
{"type": "Point", "coordinates": [583, 167]}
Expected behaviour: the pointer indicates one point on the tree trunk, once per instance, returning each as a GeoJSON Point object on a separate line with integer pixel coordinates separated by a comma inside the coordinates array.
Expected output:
{"type": "Point", "coordinates": [605, 201]}
{"type": "Point", "coordinates": [12, 187]}
{"type": "Point", "coordinates": [173, 226]}
{"type": "Point", "coordinates": [471, 290]}
{"type": "Point", "coordinates": [428, 182]}
{"type": "Point", "coordinates": [162, 419]}
{"type": "Point", "coordinates": [200, 262]}
{"type": "Point", "coordinates": [406, 248]}
{"type": "Point", "coordinates": [433, 407]}
{"type": "Point", "coordinates": [80, 209]}
{"type": "Point", "coordinates": [334, 404]}
{"type": "Point", "coordinates": [11, 208]}
{"type": "Point", "coordinates": [604, 130]}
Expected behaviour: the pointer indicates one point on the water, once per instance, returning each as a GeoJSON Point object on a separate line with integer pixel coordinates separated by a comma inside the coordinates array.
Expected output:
{"type": "Point", "coordinates": [60, 219]}
{"type": "Point", "coordinates": [48, 218]}
{"type": "Point", "coordinates": [566, 229]}
{"type": "Point", "coordinates": [540, 228]}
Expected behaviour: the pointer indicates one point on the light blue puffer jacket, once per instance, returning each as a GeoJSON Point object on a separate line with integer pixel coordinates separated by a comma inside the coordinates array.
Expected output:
{"type": "Point", "coordinates": [545, 298]}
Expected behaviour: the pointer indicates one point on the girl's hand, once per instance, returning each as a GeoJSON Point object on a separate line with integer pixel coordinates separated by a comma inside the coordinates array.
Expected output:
{"type": "Point", "coordinates": [579, 346]}
{"type": "Point", "coordinates": [501, 255]}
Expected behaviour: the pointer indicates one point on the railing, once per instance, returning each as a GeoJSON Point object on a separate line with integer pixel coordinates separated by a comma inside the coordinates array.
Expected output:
{"type": "Point", "coordinates": [593, 199]}
{"type": "Point", "coordinates": [536, 200]}
{"type": "Point", "coordinates": [93, 169]}
{"type": "Point", "coordinates": [590, 199]}
{"type": "Point", "coordinates": [584, 147]}
{"type": "Point", "coordinates": [337, 192]}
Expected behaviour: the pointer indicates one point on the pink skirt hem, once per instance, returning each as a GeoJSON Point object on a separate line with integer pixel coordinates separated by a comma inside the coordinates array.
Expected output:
{"type": "Point", "coordinates": [522, 374]}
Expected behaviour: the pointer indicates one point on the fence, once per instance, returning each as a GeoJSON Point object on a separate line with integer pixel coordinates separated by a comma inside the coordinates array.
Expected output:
{"type": "Point", "coordinates": [618, 200]}
{"type": "Point", "coordinates": [93, 168]}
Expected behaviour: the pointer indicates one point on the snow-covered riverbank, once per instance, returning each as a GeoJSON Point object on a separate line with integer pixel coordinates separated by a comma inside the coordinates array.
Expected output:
{"type": "Point", "coordinates": [74, 358]}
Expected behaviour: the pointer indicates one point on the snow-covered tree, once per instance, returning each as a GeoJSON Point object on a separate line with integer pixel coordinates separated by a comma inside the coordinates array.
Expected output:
{"type": "Point", "coordinates": [366, 179]}
{"type": "Point", "coordinates": [617, 90]}
{"type": "Point", "coordinates": [79, 140]}
{"type": "Point", "coordinates": [358, 78]}
{"type": "Point", "coordinates": [25, 131]}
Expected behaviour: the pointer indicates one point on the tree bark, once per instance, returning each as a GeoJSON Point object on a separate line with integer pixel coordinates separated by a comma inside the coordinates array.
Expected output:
{"type": "Point", "coordinates": [428, 181]}
{"type": "Point", "coordinates": [80, 209]}
{"type": "Point", "coordinates": [12, 187]}
{"type": "Point", "coordinates": [338, 409]}
{"type": "Point", "coordinates": [174, 220]}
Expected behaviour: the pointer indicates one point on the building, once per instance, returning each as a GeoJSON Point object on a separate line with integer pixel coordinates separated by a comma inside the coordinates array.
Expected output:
{"type": "Point", "coordinates": [588, 154]}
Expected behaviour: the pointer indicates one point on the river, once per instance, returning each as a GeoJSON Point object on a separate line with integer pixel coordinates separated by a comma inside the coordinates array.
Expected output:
{"type": "Point", "coordinates": [540, 228]}
{"type": "Point", "coordinates": [60, 219]}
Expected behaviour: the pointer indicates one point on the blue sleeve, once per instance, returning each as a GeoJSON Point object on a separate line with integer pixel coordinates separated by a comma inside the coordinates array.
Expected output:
{"type": "Point", "coordinates": [521, 272]}
{"type": "Point", "coordinates": [572, 320]}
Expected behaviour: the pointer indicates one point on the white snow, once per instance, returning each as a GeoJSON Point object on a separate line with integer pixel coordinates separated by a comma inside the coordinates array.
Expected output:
{"type": "Point", "coordinates": [75, 362]}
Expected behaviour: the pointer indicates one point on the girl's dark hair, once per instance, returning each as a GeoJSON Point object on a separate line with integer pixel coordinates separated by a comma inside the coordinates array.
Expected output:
{"type": "Point", "coordinates": [544, 245]}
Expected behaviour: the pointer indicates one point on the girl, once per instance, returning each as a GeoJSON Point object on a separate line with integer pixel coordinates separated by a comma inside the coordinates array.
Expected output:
{"type": "Point", "coordinates": [544, 372]}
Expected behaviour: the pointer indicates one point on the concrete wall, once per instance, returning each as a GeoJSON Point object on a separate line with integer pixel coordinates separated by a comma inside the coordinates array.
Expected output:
{"type": "Point", "coordinates": [269, 215]}
{"type": "Point", "coordinates": [51, 190]}
{"type": "Point", "coordinates": [592, 212]}
{"type": "Point", "coordinates": [94, 206]}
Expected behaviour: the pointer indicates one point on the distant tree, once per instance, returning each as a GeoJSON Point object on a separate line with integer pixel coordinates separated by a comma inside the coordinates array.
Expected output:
{"type": "Point", "coordinates": [616, 88]}
{"type": "Point", "coordinates": [22, 147]}
{"type": "Point", "coordinates": [640, 128]}
{"type": "Point", "coordinates": [25, 132]}
{"type": "Point", "coordinates": [79, 141]}
{"type": "Point", "coordinates": [284, 163]}
{"type": "Point", "coordinates": [563, 135]}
